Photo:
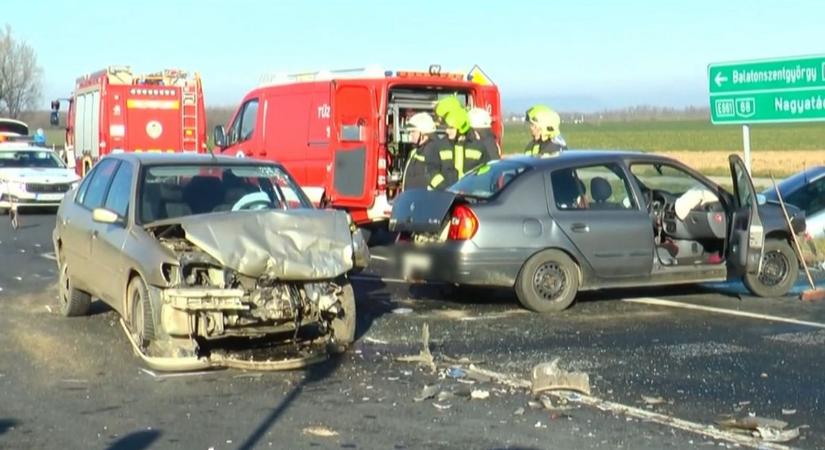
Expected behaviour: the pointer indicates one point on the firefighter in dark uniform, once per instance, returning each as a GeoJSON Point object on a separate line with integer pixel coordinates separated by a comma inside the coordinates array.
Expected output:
{"type": "Point", "coordinates": [544, 126]}
{"type": "Point", "coordinates": [421, 127]}
{"type": "Point", "coordinates": [463, 156]}
{"type": "Point", "coordinates": [482, 133]}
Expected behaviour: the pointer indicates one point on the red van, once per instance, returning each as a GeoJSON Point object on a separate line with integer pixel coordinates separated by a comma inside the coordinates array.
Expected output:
{"type": "Point", "coordinates": [341, 133]}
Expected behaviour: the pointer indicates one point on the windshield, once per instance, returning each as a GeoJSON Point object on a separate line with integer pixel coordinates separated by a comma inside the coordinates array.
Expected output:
{"type": "Point", "coordinates": [168, 192]}
{"type": "Point", "coordinates": [29, 158]}
{"type": "Point", "coordinates": [489, 179]}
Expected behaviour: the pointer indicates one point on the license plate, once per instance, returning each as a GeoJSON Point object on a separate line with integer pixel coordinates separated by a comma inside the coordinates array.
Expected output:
{"type": "Point", "coordinates": [415, 265]}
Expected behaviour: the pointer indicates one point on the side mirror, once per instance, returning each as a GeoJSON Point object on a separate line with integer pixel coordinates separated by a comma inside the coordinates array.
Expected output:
{"type": "Point", "coordinates": [54, 118]}
{"type": "Point", "coordinates": [103, 215]}
{"type": "Point", "coordinates": [761, 199]}
{"type": "Point", "coordinates": [219, 136]}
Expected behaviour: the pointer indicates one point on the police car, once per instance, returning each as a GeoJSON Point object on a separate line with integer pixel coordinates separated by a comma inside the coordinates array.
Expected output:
{"type": "Point", "coordinates": [32, 176]}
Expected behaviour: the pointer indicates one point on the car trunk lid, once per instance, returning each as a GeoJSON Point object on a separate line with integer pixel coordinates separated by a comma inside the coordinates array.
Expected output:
{"type": "Point", "coordinates": [421, 211]}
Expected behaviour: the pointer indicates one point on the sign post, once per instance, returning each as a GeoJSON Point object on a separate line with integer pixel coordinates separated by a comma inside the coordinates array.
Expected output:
{"type": "Point", "coordinates": [777, 90]}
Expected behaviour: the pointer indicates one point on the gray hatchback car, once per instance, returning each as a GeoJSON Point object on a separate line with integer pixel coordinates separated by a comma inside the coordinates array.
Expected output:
{"type": "Point", "coordinates": [595, 219]}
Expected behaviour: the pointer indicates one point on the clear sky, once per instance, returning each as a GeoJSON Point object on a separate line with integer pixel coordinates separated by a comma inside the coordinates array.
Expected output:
{"type": "Point", "coordinates": [577, 54]}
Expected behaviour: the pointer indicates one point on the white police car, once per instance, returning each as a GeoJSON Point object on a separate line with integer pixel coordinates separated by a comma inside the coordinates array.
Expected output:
{"type": "Point", "coordinates": [32, 176]}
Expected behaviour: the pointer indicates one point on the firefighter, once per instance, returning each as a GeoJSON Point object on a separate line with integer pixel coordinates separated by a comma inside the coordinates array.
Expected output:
{"type": "Point", "coordinates": [544, 126]}
{"type": "Point", "coordinates": [421, 127]}
{"type": "Point", "coordinates": [482, 134]}
{"type": "Point", "coordinates": [463, 155]}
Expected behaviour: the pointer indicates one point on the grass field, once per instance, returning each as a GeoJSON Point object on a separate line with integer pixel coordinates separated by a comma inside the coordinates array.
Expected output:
{"type": "Point", "coordinates": [782, 149]}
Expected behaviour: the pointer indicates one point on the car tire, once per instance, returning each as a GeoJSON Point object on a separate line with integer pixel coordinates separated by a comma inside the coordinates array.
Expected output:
{"type": "Point", "coordinates": [141, 322]}
{"type": "Point", "coordinates": [343, 326]}
{"type": "Point", "coordinates": [548, 282]}
{"type": "Point", "coordinates": [780, 268]}
{"type": "Point", "coordinates": [73, 302]}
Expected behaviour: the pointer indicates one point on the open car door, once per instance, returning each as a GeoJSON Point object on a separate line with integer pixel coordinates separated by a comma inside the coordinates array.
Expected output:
{"type": "Point", "coordinates": [354, 161]}
{"type": "Point", "coordinates": [747, 237]}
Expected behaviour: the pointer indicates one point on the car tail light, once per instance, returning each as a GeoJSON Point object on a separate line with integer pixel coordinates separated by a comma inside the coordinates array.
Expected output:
{"type": "Point", "coordinates": [463, 224]}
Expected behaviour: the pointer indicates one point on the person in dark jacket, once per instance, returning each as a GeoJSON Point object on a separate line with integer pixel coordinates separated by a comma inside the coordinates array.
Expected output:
{"type": "Point", "coordinates": [481, 133]}
{"type": "Point", "coordinates": [421, 127]}
{"type": "Point", "coordinates": [544, 126]}
{"type": "Point", "coordinates": [464, 156]}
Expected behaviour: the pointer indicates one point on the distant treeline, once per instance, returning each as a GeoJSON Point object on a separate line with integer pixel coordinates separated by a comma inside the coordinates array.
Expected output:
{"type": "Point", "coordinates": [221, 115]}
{"type": "Point", "coordinates": [633, 113]}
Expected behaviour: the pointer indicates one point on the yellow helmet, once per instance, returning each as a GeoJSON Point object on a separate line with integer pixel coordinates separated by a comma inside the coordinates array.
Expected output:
{"type": "Point", "coordinates": [458, 119]}
{"type": "Point", "coordinates": [446, 105]}
{"type": "Point", "coordinates": [545, 118]}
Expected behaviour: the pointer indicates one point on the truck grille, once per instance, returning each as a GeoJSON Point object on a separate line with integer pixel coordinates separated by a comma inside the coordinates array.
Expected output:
{"type": "Point", "coordinates": [42, 188]}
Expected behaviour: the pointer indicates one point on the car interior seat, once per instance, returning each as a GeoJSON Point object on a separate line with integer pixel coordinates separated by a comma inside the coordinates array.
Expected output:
{"type": "Point", "coordinates": [601, 191]}
{"type": "Point", "coordinates": [173, 204]}
{"type": "Point", "coordinates": [203, 193]}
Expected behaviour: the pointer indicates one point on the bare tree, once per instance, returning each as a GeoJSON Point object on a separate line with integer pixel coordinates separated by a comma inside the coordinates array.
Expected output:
{"type": "Point", "coordinates": [20, 76]}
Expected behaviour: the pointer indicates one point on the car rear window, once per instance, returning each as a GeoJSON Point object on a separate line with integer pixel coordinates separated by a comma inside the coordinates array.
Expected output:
{"type": "Point", "coordinates": [489, 179]}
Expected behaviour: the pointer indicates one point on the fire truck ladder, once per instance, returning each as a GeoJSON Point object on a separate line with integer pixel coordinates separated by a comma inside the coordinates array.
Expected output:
{"type": "Point", "coordinates": [189, 118]}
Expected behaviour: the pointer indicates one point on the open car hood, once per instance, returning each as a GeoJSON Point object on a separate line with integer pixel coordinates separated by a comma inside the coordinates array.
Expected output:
{"type": "Point", "coordinates": [421, 211]}
{"type": "Point", "coordinates": [300, 244]}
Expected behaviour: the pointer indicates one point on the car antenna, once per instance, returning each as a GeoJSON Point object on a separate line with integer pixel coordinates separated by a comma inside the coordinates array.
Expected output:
{"type": "Point", "coordinates": [212, 153]}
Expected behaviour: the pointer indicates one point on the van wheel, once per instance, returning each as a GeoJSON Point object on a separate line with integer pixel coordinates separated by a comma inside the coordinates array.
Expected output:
{"type": "Point", "coordinates": [141, 322]}
{"type": "Point", "coordinates": [780, 269]}
{"type": "Point", "coordinates": [72, 301]}
{"type": "Point", "coordinates": [548, 282]}
{"type": "Point", "coordinates": [343, 326]}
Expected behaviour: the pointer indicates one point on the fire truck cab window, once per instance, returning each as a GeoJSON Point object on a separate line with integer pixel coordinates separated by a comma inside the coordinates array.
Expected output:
{"type": "Point", "coordinates": [244, 125]}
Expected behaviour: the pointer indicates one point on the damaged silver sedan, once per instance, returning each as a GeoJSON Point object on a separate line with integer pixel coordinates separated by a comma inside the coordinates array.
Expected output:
{"type": "Point", "coordinates": [210, 261]}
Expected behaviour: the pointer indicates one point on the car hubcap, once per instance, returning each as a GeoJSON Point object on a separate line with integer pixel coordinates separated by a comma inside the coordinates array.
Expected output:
{"type": "Point", "coordinates": [775, 267]}
{"type": "Point", "coordinates": [549, 281]}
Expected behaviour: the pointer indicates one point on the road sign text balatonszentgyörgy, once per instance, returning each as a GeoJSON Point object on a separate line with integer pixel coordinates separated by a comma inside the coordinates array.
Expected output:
{"type": "Point", "coordinates": [778, 90]}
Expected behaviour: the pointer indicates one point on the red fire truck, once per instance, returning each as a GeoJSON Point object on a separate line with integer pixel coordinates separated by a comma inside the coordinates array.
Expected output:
{"type": "Point", "coordinates": [341, 133]}
{"type": "Point", "coordinates": [114, 110]}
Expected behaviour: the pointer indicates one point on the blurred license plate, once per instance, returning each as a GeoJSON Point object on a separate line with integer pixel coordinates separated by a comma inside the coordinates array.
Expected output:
{"type": "Point", "coordinates": [417, 262]}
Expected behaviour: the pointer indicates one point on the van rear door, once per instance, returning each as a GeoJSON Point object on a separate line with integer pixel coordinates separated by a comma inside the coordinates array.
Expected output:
{"type": "Point", "coordinates": [354, 151]}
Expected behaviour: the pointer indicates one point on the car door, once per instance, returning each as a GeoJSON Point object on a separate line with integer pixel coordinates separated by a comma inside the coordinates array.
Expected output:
{"type": "Point", "coordinates": [747, 235]}
{"type": "Point", "coordinates": [77, 226]}
{"type": "Point", "coordinates": [240, 138]}
{"type": "Point", "coordinates": [354, 163]}
{"type": "Point", "coordinates": [108, 239]}
{"type": "Point", "coordinates": [595, 207]}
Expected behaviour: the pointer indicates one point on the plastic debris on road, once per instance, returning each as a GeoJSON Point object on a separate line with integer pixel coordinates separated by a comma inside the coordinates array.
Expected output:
{"type": "Point", "coordinates": [320, 431]}
{"type": "Point", "coordinates": [549, 377]}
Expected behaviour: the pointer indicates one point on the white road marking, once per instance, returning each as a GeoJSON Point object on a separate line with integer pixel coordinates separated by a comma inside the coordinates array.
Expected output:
{"type": "Point", "coordinates": [154, 374]}
{"type": "Point", "coordinates": [380, 258]}
{"type": "Point", "coordinates": [49, 255]}
{"type": "Point", "coordinates": [731, 312]}
{"type": "Point", "coordinates": [668, 420]}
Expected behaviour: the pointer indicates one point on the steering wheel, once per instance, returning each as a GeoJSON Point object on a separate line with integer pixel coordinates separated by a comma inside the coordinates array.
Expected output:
{"type": "Point", "coordinates": [253, 202]}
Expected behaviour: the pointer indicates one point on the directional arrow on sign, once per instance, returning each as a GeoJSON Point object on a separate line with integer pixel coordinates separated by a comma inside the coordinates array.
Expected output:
{"type": "Point", "coordinates": [720, 79]}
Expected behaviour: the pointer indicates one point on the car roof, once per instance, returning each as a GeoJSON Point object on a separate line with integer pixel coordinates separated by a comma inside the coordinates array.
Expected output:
{"type": "Point", "coordinates": [155, 158]}
{"type": "Point", "coordinates": [796, 181]}
{"type": "Point", "coordinates": [594, 156]}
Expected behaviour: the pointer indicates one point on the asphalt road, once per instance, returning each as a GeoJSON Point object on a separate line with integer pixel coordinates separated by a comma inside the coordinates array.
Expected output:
{"type": "Point", "coordinates": [74, 383]}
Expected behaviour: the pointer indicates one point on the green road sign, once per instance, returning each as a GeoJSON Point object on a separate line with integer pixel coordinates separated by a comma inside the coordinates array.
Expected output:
{"type": "Point", "coordinates": [776, 90]}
